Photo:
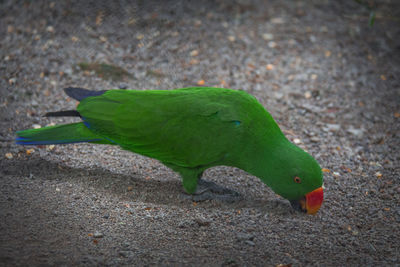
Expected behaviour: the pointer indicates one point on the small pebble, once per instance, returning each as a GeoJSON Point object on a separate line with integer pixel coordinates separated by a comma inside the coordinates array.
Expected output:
{"type": "Point", "coordinates": [98, 234]}
{"type": "Point", "coordinates": [296, 141]}
{"type": "Point", "coordinates": [68, 71]}
{"type": "Point", "coordinates": [331, 127]}
{"type": "Point", "coordinates": [269, 67]}
{"type": "Point", "coordinates": [201, 82]}
{"type": "Point", "coordinates": [29, 151]}
{"type": "Point", "coordinates": [272, 44]}
{"type": "Point", "coordinates": [327, 53]}
{"type": "Point", "coordinates": [194, 53]}
{"type": "Point", "coordinates": [314, 139]}
{"type": "Point", "coordinates": [12, 81]}
{"type": "Point", "coordinates": [103, 38]}
{"type": "Point", "coordinates": [277, 20]}
{"type": "Point", "coordinates": [355, 132]}
{"type": "Point", "coordinates": [50, 29]}
{"type": "Point", "coordinates": [34, 103]}
{"type": "Point", "coordinates": [279, 95]}
{"type": "Point", "coordinates": [268, 36]}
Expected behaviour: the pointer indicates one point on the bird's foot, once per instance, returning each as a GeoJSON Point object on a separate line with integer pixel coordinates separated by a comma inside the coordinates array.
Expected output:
{"type": "Point", "coordinates": [207, 190]}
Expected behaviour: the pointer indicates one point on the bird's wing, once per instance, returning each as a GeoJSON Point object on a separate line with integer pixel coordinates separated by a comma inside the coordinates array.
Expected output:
{"type": "Point", "coordinates": [187, 127]}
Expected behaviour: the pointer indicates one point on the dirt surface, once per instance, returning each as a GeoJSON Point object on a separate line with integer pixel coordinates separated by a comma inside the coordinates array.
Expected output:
{"type": "Point", "coordinates": [330, 81]}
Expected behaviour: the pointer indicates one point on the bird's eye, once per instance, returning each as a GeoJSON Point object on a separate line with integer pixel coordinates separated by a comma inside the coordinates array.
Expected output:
{"type": "Point", "coordinates": [297, 179]}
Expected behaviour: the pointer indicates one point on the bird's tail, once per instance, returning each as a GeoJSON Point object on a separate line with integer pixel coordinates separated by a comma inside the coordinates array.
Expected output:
{"type": "Point", "coordinates": [59, 134]}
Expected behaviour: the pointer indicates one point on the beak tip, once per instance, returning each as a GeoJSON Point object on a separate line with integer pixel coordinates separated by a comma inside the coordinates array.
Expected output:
{"type": "Point", "coordinates": [314, 200]}
{"type": "Point", "coordinates": [310, 203]}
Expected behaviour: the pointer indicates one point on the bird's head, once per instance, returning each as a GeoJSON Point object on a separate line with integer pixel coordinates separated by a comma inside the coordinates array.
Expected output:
{"type": "Point", "coordinates": [296, 175]}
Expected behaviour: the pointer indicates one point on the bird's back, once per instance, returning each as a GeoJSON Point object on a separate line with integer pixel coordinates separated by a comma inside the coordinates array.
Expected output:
{"type": "Point", "coordinates": [187, 127]}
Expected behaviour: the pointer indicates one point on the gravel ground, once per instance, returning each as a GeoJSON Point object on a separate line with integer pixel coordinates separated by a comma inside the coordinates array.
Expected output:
{"type": "Point", "coordinates": [330, 81]}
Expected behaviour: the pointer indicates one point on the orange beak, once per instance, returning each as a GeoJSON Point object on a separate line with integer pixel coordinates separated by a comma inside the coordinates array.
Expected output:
{"type": "Point", "coordinates": [313, 200]}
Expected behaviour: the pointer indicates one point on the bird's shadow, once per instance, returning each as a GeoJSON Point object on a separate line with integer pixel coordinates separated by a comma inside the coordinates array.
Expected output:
{"type": "Point", "coordinates": [133, 187]}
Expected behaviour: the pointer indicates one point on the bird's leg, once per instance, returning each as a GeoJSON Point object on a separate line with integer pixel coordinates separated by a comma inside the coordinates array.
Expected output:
{"type": "Point", "coordinates": [189, 180]}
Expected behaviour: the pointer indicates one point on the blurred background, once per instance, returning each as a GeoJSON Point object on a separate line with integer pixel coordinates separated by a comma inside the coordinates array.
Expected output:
{"type": "Point", "coordinates": [327, 71]}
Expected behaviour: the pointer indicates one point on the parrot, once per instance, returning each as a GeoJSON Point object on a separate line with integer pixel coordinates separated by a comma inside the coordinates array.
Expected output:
{"type": "Point", "coordinates": [190, 130]}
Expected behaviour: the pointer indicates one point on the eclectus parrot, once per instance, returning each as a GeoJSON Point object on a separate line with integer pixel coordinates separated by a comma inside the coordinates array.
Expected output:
{"type": "Point", "coordinates": [190, 130]}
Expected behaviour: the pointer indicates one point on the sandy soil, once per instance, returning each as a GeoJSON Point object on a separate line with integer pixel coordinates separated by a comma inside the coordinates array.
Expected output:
{"type": "Point", "coordinates": [330, 81]}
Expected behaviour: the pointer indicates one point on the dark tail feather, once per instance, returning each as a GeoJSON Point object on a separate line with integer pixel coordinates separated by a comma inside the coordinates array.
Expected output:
{"type": "Point", "coordinates": [81, 93]}
{"type": "Point", "coordinates": [78, 94]}
{"type": "Point", "coordinates": [63, 113]}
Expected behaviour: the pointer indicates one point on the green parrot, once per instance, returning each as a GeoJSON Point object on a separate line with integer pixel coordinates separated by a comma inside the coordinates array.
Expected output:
{"type": "Point", "coordinates": [190, 130]}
